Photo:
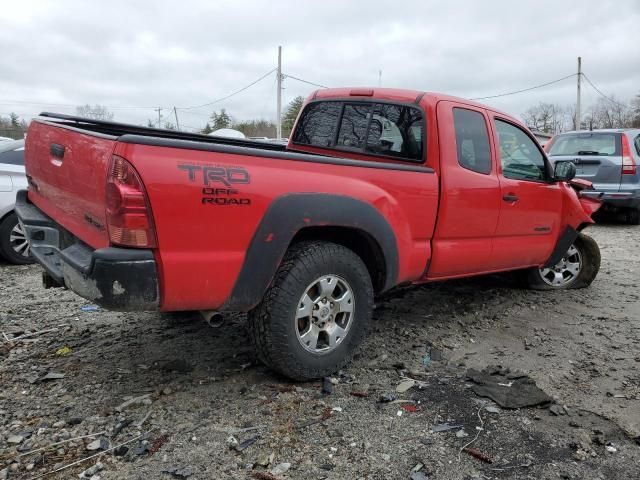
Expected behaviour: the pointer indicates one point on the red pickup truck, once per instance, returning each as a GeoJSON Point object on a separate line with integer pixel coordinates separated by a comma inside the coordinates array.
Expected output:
{"type": "Point", "coordinates": [376, 188]}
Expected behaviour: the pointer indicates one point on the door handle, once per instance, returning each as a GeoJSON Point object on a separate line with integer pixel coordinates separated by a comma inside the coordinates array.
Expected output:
{"type": "Point", "coordinates": [510, 197]}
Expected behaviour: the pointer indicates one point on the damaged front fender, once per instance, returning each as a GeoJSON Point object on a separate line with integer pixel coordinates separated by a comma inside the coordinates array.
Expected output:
{"type": "Point", "coordinates": [577, 210]}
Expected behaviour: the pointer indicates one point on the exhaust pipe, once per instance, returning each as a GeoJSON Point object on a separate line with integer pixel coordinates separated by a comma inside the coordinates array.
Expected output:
{"type": "Point", "coordinates": [214, 318]}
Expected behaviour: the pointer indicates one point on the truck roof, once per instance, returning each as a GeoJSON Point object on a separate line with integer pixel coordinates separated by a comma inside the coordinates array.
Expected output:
{"type": "Point", "coordinates": [603, 130]}
{"type": "Point", "coordinates": [395, 95]}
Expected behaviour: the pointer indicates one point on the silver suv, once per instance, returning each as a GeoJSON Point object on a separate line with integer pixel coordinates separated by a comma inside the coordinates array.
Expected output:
{"type": "Point", "coordinates": [609, 159]}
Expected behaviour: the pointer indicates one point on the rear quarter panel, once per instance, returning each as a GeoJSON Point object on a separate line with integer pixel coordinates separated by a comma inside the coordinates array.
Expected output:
{"type": "Point", "coordinates": [202, 246]}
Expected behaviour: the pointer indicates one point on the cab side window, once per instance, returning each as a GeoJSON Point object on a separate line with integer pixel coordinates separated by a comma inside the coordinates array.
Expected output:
{"type": "Point", "coordinates": [519, 155]}
{"type": "Point", "coordinates": [472, 140]}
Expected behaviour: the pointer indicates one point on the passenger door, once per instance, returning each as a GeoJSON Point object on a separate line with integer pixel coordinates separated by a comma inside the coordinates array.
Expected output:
{"type": "Point", "coordinates": [470, 193]}
{"type": "Point", "coordinates": [531, 202]}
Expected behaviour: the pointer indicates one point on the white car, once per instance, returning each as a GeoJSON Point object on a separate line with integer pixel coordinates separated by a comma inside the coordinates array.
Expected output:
{"type": "Point", "coordinates": [13, 243]}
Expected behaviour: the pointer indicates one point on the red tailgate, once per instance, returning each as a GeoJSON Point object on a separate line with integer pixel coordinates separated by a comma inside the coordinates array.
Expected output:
{"type": "Point", "coordinates": [67, 172]}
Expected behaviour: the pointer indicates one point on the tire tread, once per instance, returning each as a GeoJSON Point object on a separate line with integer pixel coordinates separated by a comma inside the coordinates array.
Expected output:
{"type": "Point", "coordinates": [268, 323]}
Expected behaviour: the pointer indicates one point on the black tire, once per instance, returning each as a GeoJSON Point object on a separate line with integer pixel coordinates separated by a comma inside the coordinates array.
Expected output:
{"type": "Point", "coordinates": [633, 216]}
{"type": "Point", "coordinates": [590, 253]}
{"type": "Point", "coordinates": [6, 249]}
{"type": "Point", "coordinates": [272, 324]}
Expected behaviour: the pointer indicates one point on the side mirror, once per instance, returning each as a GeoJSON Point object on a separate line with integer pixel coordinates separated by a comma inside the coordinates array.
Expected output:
{"type": "Point", "coordinates": [564, 171]}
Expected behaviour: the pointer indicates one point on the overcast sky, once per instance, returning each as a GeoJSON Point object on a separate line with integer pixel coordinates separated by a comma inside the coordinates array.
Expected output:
{"type": "Point", "coordinates": [184, 53]}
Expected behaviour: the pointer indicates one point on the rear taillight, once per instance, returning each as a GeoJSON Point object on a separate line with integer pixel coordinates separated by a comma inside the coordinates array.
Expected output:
{"type": "Point", "coordinates": [628, 163]}
{"type": "Point", "coordinates": [129, 219]}
{"type": "Point", "coordinates": [547, 146]}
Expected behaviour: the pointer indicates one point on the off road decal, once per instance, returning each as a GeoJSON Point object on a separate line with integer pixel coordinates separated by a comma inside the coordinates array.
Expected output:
{"type": "Point", "coordinates": [215, 178]}
{"type": "Point", "coordinates": [223, 196]}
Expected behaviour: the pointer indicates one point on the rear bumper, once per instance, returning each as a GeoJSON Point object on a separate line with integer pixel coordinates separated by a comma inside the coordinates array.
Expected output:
{"type": "Point", "coordinates": [115, 278]}
{"type": "Point", "coordinates": [615, 199]}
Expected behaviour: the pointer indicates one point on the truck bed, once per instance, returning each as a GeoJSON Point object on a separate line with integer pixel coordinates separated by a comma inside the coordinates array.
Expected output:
{"type": "Point", "coordinates": [114, 130]}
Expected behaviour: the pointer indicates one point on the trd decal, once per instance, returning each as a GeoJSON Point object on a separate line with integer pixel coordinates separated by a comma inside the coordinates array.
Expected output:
{"type": "Point", "coordinates": [228, 176]}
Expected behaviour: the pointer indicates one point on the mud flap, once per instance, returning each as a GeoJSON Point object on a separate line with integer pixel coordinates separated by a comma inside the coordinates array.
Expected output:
{"type": "Point", "coordinates": [564, 242]}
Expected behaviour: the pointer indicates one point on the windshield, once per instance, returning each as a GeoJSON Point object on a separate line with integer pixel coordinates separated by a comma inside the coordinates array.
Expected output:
{"type": "Point", "coordinates": [587, 143]}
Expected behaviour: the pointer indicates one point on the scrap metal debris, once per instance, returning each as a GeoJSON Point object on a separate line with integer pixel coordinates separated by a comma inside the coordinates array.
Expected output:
{"type": "Point", "coordinates": [474, 452]}
{"type": "Point", "coordinates": [444, 427]}
{"type": "Point", "coordinates": [246, 443]}
{"type": "Point", "coordinates": [405, 385]}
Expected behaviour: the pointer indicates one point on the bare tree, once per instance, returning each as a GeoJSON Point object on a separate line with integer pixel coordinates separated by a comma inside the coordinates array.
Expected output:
{"type": "Point", "coordinates": [97, 112]}
{"type": "Point", "coordinates": [546, 117]}
{"type": "Point", "coordinates": [635, 111]}
{"type": "Point", "coordinates": [611, 113]}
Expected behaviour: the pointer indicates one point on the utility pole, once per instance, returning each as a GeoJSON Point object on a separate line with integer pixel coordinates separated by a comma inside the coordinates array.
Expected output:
{"type": "Point", "coordinates": [175, 112]}
{"type": "Point", "coordinates": [279, 107]}
{"type": "Point", "coordinates": [578, 116]}
{"type": "Point", "coordinates": [159, 109]}
{"type": "Point", "coordinates": [379, 78]}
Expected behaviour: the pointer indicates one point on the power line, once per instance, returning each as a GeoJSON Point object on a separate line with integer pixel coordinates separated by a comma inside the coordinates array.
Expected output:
{"type": "Point", "coordinates": [305, 81]}
{"type": "Point", "coordinates": [600, 92]}
{"type": "Point", "coordinates": [231, 94]}
{"type": "Point", "coordinates": [525, 89]}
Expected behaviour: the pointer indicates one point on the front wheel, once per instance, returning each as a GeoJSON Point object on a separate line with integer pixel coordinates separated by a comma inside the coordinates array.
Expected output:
{"type": "Point", "coordinates": [315, 313]}
{"type": "Point", "coordinates": [577, 268]}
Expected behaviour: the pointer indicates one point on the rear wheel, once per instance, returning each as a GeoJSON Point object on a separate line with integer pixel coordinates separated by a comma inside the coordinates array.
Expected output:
{"type": "Point", "coordinates": [316, 312]}
{"type": "Point", "coordinates": [14, 245]}
{"type": "Point", "coordinates": [577, 268]}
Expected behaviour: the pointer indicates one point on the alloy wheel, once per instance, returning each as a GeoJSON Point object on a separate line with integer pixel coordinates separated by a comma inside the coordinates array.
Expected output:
{"type": "Point", "coordinates": [565, 271]}
{"type": "Point", "coordinates": [18, 241]}
{"type": "Point", "coordinates": [325, 314]}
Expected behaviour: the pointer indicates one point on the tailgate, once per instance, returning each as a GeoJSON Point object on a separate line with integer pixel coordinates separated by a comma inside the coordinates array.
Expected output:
{"type": "Point", "coordinates": [67, 172]}
{"type": "Point", "coordinates": [596, 155]}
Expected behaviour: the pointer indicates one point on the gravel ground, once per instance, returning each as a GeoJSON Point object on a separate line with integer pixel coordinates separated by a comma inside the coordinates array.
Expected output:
{"type": "Point", "coordinates": [190, 401]}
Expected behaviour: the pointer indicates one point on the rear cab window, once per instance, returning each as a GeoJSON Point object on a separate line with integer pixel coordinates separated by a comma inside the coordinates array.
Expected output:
{"type": "Point", "coordinates": [606, 144]}
{"type": "Point", "coordinates": [317, 127]}
{"type": "Point", "coordinates": [372, 128]}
